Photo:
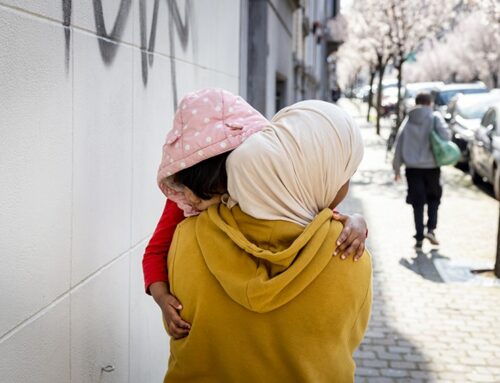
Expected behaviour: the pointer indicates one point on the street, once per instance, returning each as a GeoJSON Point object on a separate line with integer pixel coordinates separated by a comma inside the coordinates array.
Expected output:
{"type": "Point", "coordinates": [432, 319]}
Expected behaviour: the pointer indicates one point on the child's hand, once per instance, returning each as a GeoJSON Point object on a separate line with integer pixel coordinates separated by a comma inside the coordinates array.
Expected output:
{"type": "Point", "coordinates": [176, 327]}
{"type": "Point", "coordinates": [353, 236]}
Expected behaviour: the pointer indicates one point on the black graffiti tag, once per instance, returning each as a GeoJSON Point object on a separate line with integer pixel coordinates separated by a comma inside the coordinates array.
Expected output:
{"type": "Point", "coordinates": [108, 48]}
{"type": "Point", "coordinates": [107, 40]}
{"type": "Point", "coordinates": [147, 47]}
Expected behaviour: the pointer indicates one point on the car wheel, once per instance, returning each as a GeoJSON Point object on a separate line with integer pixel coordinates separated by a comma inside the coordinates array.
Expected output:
{"type": "Point", "coordinates": [496, 184]}
{"type": "Point", "coordinates": [476, 179]}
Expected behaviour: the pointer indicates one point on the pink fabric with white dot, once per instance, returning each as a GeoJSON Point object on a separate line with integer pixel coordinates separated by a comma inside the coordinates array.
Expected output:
{"type": "Point", "coordinates": [207, 122]}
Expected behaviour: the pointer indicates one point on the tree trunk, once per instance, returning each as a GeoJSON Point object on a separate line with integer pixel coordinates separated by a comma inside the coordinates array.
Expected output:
{"type": "Point", "coordinates": [370, 93]}
{"type": "Point", "coordinates": [494, 80]}
{"type": "Point", "coordinates": [381, 70]}
{"type": "Point", "coordinates": [399, 68]}
{"type": "Point", "coordinates": [497, 261]}
{"type": "Point", "coordinates": [354, 82]}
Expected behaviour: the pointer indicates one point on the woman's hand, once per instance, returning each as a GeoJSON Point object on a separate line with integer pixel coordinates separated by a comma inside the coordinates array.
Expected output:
{"type": "Point", "coordinates": [176, 327]}
{"type": "Point", "coordinates": [353, 236]}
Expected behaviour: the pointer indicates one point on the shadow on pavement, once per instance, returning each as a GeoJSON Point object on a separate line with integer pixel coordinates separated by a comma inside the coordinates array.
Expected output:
{"type": "Point", "coordinates": [385, 354]}
{"type": "Point", "coordinates": [485, 187]}
{"type": "Point", "coordinates": [458, 183]}
{"type": "Point", "coordinates": [379, 181]}
{"type": "Point", "coordinates": [423, 264]}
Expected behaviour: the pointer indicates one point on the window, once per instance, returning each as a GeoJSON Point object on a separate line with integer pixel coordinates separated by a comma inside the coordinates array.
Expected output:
{"type": "Point", "coordinates": [487, 118]}
{"type": "Point", "coordinates": [494, 121]}
{"type": "Point", "coordinates": [490, 118]}
{"type": "Point", "coordinates": [280, 100]}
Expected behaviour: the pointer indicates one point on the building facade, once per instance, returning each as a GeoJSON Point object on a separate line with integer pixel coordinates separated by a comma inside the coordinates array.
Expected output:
{"type": "Point", "coordinates": [288, 53]}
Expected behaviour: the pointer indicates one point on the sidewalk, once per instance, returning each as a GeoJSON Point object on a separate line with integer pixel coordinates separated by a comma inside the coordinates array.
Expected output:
{"type": "Point", "coordinates": [425, 328]}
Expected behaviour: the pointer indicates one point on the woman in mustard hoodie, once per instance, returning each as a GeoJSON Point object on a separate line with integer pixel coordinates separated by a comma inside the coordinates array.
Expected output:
{"type": "Point", "coordinates": [266, 300]}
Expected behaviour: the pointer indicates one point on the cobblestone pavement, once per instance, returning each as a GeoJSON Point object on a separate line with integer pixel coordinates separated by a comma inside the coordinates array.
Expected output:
{"type": "Point", "coordinates": [424, 329]}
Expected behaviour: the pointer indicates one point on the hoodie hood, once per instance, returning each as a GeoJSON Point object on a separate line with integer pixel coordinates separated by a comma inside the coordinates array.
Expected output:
{"type": "Point", "coordinates": [207, 123]}
{"type": "Point", "coordinates": [416, 145]}
{"type": "Point", "coordinates": [261, 264]}
{"type": "Point", "coordinates": [421, 115]}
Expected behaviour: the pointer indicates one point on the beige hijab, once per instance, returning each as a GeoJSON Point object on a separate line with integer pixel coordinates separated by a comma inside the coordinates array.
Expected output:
{"type": "Point", "coordinates": [295, 167]}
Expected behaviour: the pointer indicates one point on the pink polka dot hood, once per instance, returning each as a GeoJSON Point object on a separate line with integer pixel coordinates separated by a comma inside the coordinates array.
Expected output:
{"type": "Point", "coordinates": [207, 123]}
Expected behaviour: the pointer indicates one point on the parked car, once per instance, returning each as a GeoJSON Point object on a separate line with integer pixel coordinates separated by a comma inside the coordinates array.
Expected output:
{"type": "Point", "coordinates": [444, 94]}
{"type": "Point", "coordinates": [412, 89]}
{"type": "Point", "coordinates": [484, 161]}
{"type": "Point", "coordinates": [362, 93]}
{"type": "Point", "coordinates": [464, 116]}
{"type": "Point", "coordinates": [389, 100]}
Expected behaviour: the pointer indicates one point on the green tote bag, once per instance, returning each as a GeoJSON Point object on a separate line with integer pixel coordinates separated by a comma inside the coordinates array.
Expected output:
{"type": "Point", "coordinates": [445, 152]}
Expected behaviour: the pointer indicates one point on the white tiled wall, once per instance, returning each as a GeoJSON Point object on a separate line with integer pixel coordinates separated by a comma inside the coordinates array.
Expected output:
{"type": "Point", "coordinates": [148, 354]}
{"type": "Point", "coordinates": [114, 13]}
{"type": "Point", "coordinates": [35, 167]}
{"type": "Point", "coordinates": [81, 133]}
{"type": "Point", "coordinates": [100, 325]}
{"type": "Point", "coordinates": [39, 351]}
{"type": "Point", "coordinates": [45, 8]}
{"type": "Point", "coordinates": [102, 155]}
{"type": "Point", "coordinates": [152, 111]}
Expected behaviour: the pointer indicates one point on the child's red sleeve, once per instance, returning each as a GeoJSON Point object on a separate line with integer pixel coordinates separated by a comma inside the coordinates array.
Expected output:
{"type": "Point", "coordinates": [154, 262]}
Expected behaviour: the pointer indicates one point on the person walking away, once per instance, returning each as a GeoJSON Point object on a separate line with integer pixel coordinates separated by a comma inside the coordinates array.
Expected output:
{"type": "Point", "coordinates": [413, 149]}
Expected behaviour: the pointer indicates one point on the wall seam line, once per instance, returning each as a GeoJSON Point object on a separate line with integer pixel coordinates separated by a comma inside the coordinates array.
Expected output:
{"type": "Point", "coordinates": [131, 200]}
{"type": "Point", "coordinates": [118, 42]}
{"type": "Point", "coordinates": [79, 285]}
{"type": "Point", "coordinates": [72, 68]}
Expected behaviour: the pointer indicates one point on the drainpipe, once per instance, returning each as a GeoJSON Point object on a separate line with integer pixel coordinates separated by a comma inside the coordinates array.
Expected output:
{"type": "Point", "coordinates": [324, 67]}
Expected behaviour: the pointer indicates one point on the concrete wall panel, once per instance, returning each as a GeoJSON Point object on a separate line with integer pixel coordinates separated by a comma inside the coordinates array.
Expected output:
{"type": "Point", "coordinates": [102, 174]}
{"type": "Point", "coordinates": [39, 351]}
{"type": "Point", "coordinates": [100, 325]}
{"type": "Point", "coordinates": [35, 164]}
{"type": "Point", "coordinates": [47, 8]}
{"type": "Point", "coordinates": [110, 19]}
{"type": "Point", "coordinates": [153, 115]}
{"type": "Point", "coordinates": [149, 343]}
{"type": "Point", "coordinates": [151, 26]}
{"type": "Point", "coordinates": [181, 32]}
{"type": "Point", "coordinates": [218, 49]}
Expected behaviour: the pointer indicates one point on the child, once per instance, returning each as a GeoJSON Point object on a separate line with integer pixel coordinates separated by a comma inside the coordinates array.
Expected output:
{"type": "Point", "coordinates": [208, 123]}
